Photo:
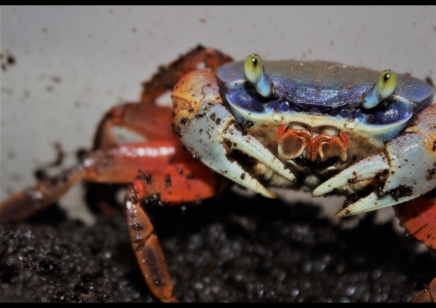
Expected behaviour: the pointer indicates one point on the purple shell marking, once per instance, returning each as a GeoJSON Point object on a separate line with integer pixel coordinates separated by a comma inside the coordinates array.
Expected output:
{"type": "Point", "coordinates": [329, 88]}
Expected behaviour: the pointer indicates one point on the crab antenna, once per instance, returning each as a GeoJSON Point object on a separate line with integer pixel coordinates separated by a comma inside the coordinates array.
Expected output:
{"type": "Point", "coordinates": [383, 88]}
{"type": "Point", "coordinates": [253, 68]}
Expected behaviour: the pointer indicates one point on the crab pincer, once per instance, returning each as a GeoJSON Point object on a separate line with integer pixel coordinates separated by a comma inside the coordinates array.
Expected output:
{"type": "Point", "coordinates": [210, 132]}
{"type": "Point", "coordinates": [404, 160]}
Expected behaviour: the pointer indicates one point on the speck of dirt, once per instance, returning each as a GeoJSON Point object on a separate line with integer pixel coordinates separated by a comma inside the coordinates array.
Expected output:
{"type": "Point", "coordinates": [7, 59]}
{"type": "Point", "coordinates": [243, 126]}
{"type": "Point", "coordinates": [56, 79]}
{"type": "Point", "coordinates": [168, 180]}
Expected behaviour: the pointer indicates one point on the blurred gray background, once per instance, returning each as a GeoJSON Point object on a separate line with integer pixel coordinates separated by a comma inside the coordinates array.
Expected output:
{"type": "Point", "coordinates": [73, 63]}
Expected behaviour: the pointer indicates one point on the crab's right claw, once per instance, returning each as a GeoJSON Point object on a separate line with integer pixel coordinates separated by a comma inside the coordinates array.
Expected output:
{"type": "Point", "coordinates": [405, 171]}
{"type": "Point", "coordinates": [210, 132]}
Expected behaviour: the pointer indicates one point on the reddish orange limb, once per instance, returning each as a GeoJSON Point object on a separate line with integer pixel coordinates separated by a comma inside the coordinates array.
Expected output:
{"type": "Point", "coordinates": [418, 217]}
{"type": "Point", "coordinates": [118, 164]}
{"type": "Point", "coordinates": [169, 75]}
{"type": "Point", "coordinates": [27, 203]}
{"type": "Point", "coordinates": [172, 185]}
{"type": "Point", "coordinates": [150, 121]}
{"type": "Point", "coordinates": [169, 174]}
{"type": "Point", "coordinates": [428, 295]}
{"type": "Point", "coordinates": [146, 117]}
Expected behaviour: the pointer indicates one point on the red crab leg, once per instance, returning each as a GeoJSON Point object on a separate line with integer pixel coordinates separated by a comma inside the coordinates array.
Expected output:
{"type": "Point", "coordinates": [418, 217]}
{"type": "Point", "coordinates": [175, 184]}
{"type": "Point", "coordinates": [149, 120]}
{"type": "Point", "coordinates": [168, 173]}
{"type": "Point", "coordinates": [26, 203]}
{"type": "Point", "coordinates": [169, 75]}
{"type": "Point", "coordinates": [428, 295]}
{"type": "Point", "coordinates": [119, 164]}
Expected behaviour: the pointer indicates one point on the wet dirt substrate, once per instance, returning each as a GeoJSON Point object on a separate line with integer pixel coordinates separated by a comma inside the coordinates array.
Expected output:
{"type": "Point", "coordinates": [229, 249]}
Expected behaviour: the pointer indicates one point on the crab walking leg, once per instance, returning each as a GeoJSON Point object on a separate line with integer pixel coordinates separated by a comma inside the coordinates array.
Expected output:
{"type": "Point", "coordinates": [27, 203]}
{"type": "Point", "coordinates": [209, 131]}
{"type": "Point", "coordinates": [428, 295]}
{"type": "Point", "coordinates": [418, 217]}
{"type": "Point", "coordinates": [146, 117]}
{"type": "Point", "coordinates": [172, 185]}
{"type": "Point", "coordinates": [148, 120]}
{"type": "Point", "coordinates": [407, 158]}
{"type": "Point", "coordinates": [115, 165]}
{"type": "Point", "coordinates": [169, 75]}
{"type": "Point", "coordinates": [146, 247]}
{"type": "Point", "coordinates": [168, 173]}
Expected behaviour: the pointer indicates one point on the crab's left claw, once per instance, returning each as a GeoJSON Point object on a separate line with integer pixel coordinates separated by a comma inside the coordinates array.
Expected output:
{"type": "Point", "coordinates": [405, 171]}
{"type": "Point", "coordinates": [210, 132]}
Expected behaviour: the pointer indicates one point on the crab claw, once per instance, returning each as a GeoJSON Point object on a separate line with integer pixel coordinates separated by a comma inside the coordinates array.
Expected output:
{"type": "Point", "coordinates": [366, 169]}
{"type": "Point", "coordinates": [210, 132]}
{"type": "Point", "coordinates": [407, 167]}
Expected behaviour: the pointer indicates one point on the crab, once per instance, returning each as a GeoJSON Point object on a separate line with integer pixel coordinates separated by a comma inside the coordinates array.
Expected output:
{"type": "Point", "coordinates": [319, 126]}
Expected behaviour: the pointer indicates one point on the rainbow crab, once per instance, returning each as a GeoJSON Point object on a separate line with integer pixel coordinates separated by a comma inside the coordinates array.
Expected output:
{"type": "Point", "coordinates": [322, 126]}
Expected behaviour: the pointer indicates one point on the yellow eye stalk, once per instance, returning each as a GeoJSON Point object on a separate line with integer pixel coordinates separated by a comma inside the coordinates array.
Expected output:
{"type": "Point", "coordinates": [254, 72]}
{"type": "Point", "coordinates": [384, 87]}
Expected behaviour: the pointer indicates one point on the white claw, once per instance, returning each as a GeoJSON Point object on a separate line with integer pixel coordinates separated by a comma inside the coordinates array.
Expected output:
{"type": "Point", "coordinates": [410, 174]}
{"type": "Point", "coordinates": [234, 172]}
{"type": "Point", "coordinates": [205, 135]}
{"type": "Point", "coordinates": [369, 203]}
{"type": "Point", "coordinates": [363, 170]}
{"type": "Point", "coordinates": [253, 148]}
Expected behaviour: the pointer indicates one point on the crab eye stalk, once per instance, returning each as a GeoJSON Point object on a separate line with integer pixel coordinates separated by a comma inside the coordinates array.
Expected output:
{"type": "Point", "coordinates": [253, 68]}
{"type": "Point", "coordinates": [384, 87]}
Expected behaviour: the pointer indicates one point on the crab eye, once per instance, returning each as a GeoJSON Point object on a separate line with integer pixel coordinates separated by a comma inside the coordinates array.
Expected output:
{"type": "Point", "coordinates": [385, 86]}
{"type": "Point", "coordinates": [253, 68]}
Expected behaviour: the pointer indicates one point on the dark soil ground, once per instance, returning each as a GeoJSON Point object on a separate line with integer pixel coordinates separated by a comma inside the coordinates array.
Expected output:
{"type": "Point", "coordinates": [229, 249]}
